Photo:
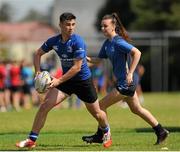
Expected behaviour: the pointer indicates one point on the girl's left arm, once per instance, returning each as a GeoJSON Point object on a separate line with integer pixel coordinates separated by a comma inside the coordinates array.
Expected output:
{"type": "Point", "coordinates": [136, 54]}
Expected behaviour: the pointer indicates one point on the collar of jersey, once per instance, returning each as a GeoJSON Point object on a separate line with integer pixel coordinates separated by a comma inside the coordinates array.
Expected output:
{"type": "Point", "coordinates": [60, 39]}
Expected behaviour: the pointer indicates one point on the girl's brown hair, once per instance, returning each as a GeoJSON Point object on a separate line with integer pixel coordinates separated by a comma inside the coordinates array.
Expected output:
{"type": "Point", "coordinates": [120, 30]}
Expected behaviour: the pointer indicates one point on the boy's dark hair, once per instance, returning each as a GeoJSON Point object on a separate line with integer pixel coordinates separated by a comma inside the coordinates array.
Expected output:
{"type": "Point", "coordinates": [66, 16]}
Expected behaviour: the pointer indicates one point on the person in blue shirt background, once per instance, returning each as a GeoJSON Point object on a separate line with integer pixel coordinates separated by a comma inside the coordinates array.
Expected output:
{"type": "Point", "coordinates": [117, 49]}
{"type": "Point", "coordinates": [76, 79]}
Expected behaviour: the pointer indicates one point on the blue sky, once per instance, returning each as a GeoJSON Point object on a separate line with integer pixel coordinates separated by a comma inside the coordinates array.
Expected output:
{"type": "Point", "coordinates": [21, 7]}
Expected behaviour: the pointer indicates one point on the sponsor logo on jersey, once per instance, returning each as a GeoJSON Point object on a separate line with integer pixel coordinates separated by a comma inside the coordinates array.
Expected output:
{"type": "Point", "coordinates": [112, 49]}
{"type": "Point", "coordinates": [64, 55]}
{"type": "Point", "coordinates": [69, 49]}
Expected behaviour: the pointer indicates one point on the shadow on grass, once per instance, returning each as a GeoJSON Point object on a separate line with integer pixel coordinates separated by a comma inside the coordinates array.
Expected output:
{"type": "Point", "coordinates": [171, 129]}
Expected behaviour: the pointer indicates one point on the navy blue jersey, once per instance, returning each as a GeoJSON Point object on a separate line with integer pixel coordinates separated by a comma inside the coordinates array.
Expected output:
{"type": "Point", "coordinates": [73, 48]}
{"type": "Point", "coordinates": [117, 50]}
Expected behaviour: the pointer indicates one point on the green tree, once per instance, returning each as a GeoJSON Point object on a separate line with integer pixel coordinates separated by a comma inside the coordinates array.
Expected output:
{"type": "Point", "coordinates": [122, 7]}
{"type": "Point", "coordinates": [5, 12]}
{"type": "Point", "coordinates": [148, 15]}
{"type": "Point", "coordinates": [156, 15]}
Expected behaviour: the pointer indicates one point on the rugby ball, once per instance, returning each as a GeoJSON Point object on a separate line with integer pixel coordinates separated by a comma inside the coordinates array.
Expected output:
{"type": "Point", "coordinates": [41, 81]}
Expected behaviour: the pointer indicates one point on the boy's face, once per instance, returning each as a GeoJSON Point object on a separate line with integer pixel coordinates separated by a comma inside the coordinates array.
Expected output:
{"type": "Point", "coordinates": [68, 27]}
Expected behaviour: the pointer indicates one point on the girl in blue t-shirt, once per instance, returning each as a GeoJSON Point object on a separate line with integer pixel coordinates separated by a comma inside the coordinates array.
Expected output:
{"type": "Point", "coordinates": [117, 49]}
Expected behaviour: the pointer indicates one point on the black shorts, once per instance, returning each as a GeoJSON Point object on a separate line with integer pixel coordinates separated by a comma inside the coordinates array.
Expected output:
{"type": "Point", "coordinates": [16, 88]}
{"type": "Point", "coordinates": [2, 89]}
{"type": "Point", "coordinates": [127, 91]}
{"type": "Point", "coordinates": [26, 89]}
{"type": "Point", "coordinates": [84, 89]}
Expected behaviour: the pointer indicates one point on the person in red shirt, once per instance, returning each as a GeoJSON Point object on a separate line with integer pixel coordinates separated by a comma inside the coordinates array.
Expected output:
{"type": "Point", "coordinates": [2, 87]}
{"type": "Point", "coordinates": [16, 84]}
{"type": "Point", "coordinates": [58, 73]}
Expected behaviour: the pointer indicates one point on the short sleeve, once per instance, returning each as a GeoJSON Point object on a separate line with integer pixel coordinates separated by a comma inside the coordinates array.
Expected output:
{"type": "Point", "coordinates": [123, 46]}
{"type": "Point", "coordinates": [80, 48]}
{"type": "Point", "coordinates": [47, 46]}
{"type": "Point", "coordinates": [102, 52]}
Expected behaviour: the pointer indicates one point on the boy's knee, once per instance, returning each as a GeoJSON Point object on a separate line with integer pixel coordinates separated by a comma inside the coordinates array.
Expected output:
{"type": "Point", "coordinates": [98, 115]}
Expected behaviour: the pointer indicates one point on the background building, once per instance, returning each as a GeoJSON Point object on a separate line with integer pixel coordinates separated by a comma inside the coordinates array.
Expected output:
{"type": "Point", "coordinates": [20, 40]}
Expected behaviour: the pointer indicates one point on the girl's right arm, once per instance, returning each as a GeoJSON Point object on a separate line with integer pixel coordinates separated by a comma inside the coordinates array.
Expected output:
{"type": "Point", "coordinates": [93, 60]}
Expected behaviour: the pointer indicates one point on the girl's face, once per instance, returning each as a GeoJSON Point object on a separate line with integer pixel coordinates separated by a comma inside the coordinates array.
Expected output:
{"type": "Point", "coordinates": [68, 27]}
{"type": "Point", "coordinates": [107, 27]}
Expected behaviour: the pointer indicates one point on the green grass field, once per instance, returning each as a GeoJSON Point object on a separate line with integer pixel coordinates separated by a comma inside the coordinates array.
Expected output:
{"type": "Point", "coordinates": [65, 127]}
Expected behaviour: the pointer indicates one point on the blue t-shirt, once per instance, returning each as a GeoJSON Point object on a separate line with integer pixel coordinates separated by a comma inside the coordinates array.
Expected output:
{"type": "Point", "coordinates": [73, 48]}
{"type": "Point", "coordinates": [27, 75]}
{"type": "Point", "coordinates": [117, 51]}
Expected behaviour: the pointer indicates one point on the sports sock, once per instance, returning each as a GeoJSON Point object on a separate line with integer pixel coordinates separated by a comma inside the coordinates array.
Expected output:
{"type": "Point", "coordinates": [99, 132]}
{"type": "Point", "coordinates": [33, 136]}
{"type": "Point", "coordinates": [158, 129]}
{"type": "Point", "coordinates": [105, 129]}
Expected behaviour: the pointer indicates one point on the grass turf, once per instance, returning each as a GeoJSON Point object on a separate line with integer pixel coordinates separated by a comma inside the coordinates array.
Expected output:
{"type": "Point", "coordinates": [65, 127]}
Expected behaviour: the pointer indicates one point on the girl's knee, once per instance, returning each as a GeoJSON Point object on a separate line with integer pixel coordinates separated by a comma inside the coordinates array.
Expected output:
{"type": "Point", "coordinates": [136, 110]}
{"type": "Point", "coordinates": [102, 107]}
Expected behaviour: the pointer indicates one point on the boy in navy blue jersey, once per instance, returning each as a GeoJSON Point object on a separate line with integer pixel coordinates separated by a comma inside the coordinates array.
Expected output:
{"type": "Point", "coordinates": [117, 49]}
{"type": "Point", "coordinates": [76, 79]}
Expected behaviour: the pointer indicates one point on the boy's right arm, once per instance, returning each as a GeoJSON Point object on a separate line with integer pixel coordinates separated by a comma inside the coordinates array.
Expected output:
{"type": "Point", "coordinates": [37, 60]}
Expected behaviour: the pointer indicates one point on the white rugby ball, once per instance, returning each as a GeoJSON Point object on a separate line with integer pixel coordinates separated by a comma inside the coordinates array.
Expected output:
{"type": "Point", "coordinates": [41, 81]}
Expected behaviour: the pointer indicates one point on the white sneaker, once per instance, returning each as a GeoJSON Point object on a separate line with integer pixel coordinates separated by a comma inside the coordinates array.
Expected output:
{"type": "Point", "coordinates": [26, 143]}
{"type": "Point", "coordinates": [107, 140]}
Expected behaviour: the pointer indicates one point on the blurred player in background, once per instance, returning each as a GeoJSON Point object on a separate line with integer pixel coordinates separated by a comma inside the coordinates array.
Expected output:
{"type": "Point", "coordinates": [3, 107]}
{"type": "Point", "coordinates": [140, 72]}
{"type": "Point", "coordinates": [16, 84]}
